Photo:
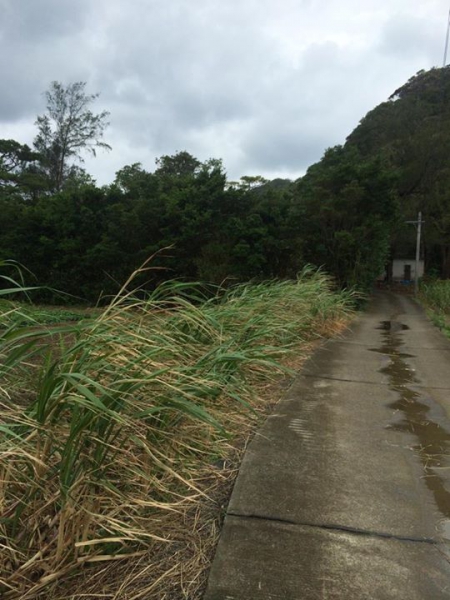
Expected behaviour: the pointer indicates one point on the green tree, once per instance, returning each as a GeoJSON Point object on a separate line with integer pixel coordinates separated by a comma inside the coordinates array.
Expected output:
{"type": "Point", "coordinates": [345, 208]}
{"type": "Point", "coordinates": [67, 129]}
{"type": "Point", "coordinates": [180, 164]}
{"type": "Point", "coordinates": [18, 170]}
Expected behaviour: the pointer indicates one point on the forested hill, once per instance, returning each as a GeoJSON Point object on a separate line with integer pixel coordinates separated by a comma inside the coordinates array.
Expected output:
{"type": "Point", "coordinates": [346, 214]}
{"type": "Point", "coordinates": [411, 132]}
{"type": "Point", "coordinates": [394, 164]}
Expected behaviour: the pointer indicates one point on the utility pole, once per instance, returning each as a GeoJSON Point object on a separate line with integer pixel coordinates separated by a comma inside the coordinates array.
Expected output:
{"type": "Point", "coordinates": [418, 224]}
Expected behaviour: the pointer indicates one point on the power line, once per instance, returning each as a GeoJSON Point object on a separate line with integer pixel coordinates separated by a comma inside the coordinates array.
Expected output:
{"type": "Point", "coordinates": [446, 40]}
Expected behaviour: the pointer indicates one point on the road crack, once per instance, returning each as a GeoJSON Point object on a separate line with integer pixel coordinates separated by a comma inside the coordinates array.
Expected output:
{"type": "Point", "coordinates": [341, 529]}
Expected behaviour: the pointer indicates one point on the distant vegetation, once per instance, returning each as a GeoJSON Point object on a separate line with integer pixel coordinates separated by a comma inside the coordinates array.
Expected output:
{"type": "Point", "coordinates": [435, 296]}
{"type": "Point", "coordinates": [411, 135]}
{"type": "Point", "coordinates": [347, 213]}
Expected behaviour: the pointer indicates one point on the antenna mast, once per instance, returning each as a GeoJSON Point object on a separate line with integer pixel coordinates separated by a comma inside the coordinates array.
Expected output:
{"type": "Point", "coordinates": [446, 40]}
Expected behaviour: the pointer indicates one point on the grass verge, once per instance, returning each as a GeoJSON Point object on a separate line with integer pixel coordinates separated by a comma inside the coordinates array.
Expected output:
{"type": "Point", "coordinates": [435, 296]}
{"type": "Point", "coordinates": [122, 434]}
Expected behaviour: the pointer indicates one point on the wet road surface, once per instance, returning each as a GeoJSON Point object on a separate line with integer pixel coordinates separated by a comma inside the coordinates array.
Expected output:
{"type": "Point", "coordinates": [345, 491]}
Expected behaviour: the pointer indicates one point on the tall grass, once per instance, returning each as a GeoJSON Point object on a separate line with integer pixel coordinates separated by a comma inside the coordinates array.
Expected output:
{"type": "Point", "coordinates": [436, 294]}
{"type": "Point", "coordinates": [105, 422]}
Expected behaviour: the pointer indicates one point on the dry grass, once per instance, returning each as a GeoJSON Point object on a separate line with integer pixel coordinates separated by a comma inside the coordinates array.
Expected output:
{"type": "Point", "coordinates": [114, 479]}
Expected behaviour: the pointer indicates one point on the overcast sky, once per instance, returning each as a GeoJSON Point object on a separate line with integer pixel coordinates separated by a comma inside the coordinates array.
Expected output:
{"type": "Point", "coordinates": [265, 85]}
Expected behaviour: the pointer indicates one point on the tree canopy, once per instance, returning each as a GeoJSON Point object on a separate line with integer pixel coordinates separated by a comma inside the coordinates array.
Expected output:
{"type": "Point", "coordinates": [85, 241]}
{"type": "Point", "coordinates": [346, 214]}
{"type": "Point", "coordinates": [412, 132]}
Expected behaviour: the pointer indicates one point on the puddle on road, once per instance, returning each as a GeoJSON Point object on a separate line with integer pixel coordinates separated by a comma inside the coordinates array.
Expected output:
{"type": "Point", "coordinates": [433, 447]}
{"type": "Point", "coordinates": [392, 326]}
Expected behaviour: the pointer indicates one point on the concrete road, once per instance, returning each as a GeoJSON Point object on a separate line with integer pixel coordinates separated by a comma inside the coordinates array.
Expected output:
{"type": "Point", "coordinates": [345, 492]}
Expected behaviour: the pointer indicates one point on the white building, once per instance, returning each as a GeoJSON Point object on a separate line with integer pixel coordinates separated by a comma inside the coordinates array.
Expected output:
{"type": "Point", "coordinates": [404, 269]}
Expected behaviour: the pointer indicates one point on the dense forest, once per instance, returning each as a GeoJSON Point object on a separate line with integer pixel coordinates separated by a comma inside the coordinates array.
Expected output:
{"type": "Point", "coordinates": [346, 214]}
{"type": "Point", "coordinates": [411, 132]}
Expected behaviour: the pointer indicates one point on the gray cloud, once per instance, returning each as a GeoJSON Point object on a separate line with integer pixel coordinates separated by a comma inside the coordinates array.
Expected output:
{"type": "Point", "coordinates": [407, 37]}
{"type": "Point", "coordinates": [34, 42]}
{"type": "Point", "coordinates": [42, 20]}
{"type": "Point", "coordinates": [265, 85]}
